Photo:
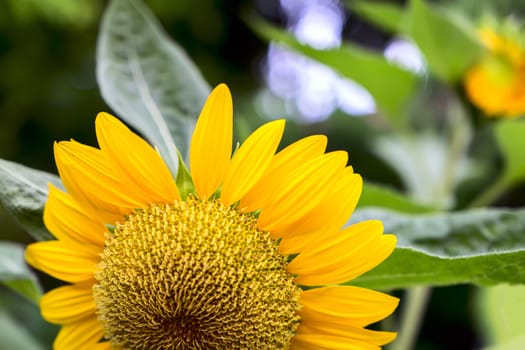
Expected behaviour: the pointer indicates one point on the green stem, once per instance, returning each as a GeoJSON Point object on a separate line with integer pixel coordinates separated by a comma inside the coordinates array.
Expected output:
{"type": "Point", "coordinates": [412, 315]}
{"type": "Point", "coordinates": [492, 193]}
{"type": "Point", "coordinates": [461, 135]}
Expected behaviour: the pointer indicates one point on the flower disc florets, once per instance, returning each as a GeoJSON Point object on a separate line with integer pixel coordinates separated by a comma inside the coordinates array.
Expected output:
{"type": "Point", "coordinates": [194, 274]}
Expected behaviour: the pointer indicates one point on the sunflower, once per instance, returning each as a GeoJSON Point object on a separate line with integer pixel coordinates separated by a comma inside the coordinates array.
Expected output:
{"type": "Point", "coordinates": [249, 258]}
{"type": "Point", "coordinates": [496, 84]}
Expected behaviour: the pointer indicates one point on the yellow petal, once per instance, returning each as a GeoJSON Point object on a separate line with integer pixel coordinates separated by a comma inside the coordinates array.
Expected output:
{"type": "Point", "coordinates": [85, 173]}
{"type": "Point", "coordinates": [251, 161]}
{"type": "Point", "coordinates": [298, 243]}
{"type": "Point", "coordinates": [68, 304]}
{"type": "Point", "coordinates": [67, 221]}
{"type": "Point", "coordinates": [65, 261]}
{"type": "Point", "coordinates": [319, 341]}
{"type": "Point", "coordinates": [335, 208]}
{"type": "Point", "coordinates": [299, 344]}
{"type": "Point", "coordinates": [102, 346]}
{"type": "Point", "coordinates": [296, 193]}
{"type": "Point", "coordinates": [351, 334]}
{"type": "Point", "coordinates": [136, 160]}
{"type": "Point", "coordinates": [331, 213]}
{"type": "Point", "coordinates": [484, 90]}
{"type": "Point", "coordinates": [211, 143]}
{"type": "Point", "coordinates": [323, 222]}
{"type": "Point", "coordinates": [333, 337]}
{"type": "Point", "coordinates": [284, 162]}
{"type": "Point", "coordinates": [358, 249]}
{"type": "Point", "coordinates": [80, 335]}
{"type": "Point", "coordinates": [345, 305]}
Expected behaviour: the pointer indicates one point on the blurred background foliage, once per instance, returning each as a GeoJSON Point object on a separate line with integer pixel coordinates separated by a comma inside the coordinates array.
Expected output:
{"type": "Point", "coordinates": [48, 92]}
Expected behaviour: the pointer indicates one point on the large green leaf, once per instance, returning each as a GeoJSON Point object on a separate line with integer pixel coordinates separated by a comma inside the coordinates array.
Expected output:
{"type": "Point", "coordinates": [23, 192]}
{"type": "Point", "coordinates": [478, 246]}
{"type": "Point", "coordinates": [148, 79]}
{"type": "Point", "coordinates": [447, 42]}
{"type": "Point", "coordinates": [390, 85]}
{"type": "Point", "coordinates": [14, 272]}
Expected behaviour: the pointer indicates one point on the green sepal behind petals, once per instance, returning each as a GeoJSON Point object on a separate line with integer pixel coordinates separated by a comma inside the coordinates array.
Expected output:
{"type": "Point", "coordinates": [183, 180]}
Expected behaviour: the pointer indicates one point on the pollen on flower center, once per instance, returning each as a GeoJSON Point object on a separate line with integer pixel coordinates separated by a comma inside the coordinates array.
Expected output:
{"type": "Point", "coordinates": [194, 274]}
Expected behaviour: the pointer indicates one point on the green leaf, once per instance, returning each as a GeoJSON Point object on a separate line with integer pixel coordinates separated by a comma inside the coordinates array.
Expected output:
{"type": "Point", "coordinates": [386, 15]}
{"type": "Point", "coordinates": [21, 324]}
{"type": "Point", "coordinates": [23, 192]}
{"type": "Point", "coordinates": [513, 344]}
{"type": "Point", "coordinates": [368, 68]}
{"type": "Point", "coordinates": [479, 246]}
{"type": "Point", "coordinates": [15, 274]}
{"type": "Point", "coordinates": [147, 79]}
{"type": "Point", "coordinates": [423, 163]}
{"type": "Point", "coordinates": [374, 195]}
{"type": "Point", "coordinates": [447, 42]}
{"type": "Point", "coordinates": [15, 336]}
{"type": "Point", "coordinates": [501, 310]}
{"type": "Point", "coordinates": [510, 137]}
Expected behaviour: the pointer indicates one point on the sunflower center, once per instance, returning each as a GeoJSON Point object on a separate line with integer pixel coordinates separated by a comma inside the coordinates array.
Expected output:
{"type": "Point", "coordinates": [194, 275]}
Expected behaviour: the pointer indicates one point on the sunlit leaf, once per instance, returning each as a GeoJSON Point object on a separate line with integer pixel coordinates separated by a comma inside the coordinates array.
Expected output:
{"type": "Point", "coordinates": [386, 15]}
{"type": "Point", "coordinates": [147, 79]}
{"type": "Point", "coordinates": [447, 42]}
{"type": "Point", "coordinates": [15, 274]}
{"type": "Point", "coordinates": [390, 85]}
{"type": "Point", "coordinates": [501, 310]}
{"type": "Point", "coordinates": [478, 246]}
{"type": "Point", "coordinates": [23, 192]}
{"type": "Point", "coordinates": [512, 344]}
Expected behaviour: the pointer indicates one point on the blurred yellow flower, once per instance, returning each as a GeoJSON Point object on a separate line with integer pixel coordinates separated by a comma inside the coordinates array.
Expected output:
{"type": "Point", "coordinates": [223, 268]}
{"type": "Point", "coordinates": [496, 84]}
